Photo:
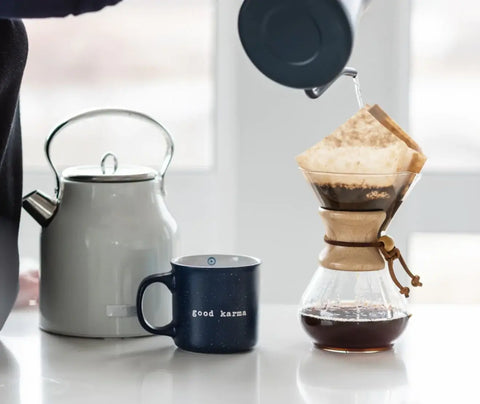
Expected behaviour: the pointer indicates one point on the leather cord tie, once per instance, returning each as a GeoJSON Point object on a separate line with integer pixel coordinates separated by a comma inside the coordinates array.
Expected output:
{"type": "Point", "coordinates": [387, 248]}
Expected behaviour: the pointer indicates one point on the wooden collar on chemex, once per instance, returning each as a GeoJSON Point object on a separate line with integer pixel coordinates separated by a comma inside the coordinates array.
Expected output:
{"type": "Point", "coordinates": [386, 246]}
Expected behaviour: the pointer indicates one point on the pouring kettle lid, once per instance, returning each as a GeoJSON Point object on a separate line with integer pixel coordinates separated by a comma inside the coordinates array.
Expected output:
{"type": "Point", "coordinates": [298, 43]}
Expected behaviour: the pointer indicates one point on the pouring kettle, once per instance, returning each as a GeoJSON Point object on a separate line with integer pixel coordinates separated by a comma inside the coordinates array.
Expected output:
{"type": "Point", "coordinates": [303, 44]}
{"type": "Point", "coordinates": [103, 232]}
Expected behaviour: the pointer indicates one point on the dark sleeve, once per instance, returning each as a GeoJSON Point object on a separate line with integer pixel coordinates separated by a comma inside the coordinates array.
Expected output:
{"type": "Point", "coordinates": [50, 8]}
{"type": "Point", "coordinates": [13, 56]}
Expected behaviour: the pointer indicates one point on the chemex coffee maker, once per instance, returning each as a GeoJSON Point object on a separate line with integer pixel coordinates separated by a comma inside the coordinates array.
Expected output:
{"type": "Point", "coordinates": [106, 229]}
{"type": "Point", "coordinates": [361, 173]}
{"type": "Point", "coordinates": [353, 303]}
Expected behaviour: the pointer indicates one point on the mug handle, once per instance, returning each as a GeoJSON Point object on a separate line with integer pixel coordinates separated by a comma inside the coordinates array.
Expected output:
{"type": "Point", "coordinates": [169, 281]}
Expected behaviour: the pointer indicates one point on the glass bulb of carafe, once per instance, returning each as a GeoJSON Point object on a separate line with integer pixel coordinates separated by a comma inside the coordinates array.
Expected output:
{"type": "Point", "coordinates": [353, 310]}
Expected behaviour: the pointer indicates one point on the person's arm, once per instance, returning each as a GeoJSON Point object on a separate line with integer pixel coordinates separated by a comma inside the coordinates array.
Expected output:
{"type": "Point", "coordinates": [50, 8]}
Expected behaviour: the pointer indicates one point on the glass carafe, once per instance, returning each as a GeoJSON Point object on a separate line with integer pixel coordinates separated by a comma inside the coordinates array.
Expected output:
{"type": "Point", "coordinates": [354, 303]}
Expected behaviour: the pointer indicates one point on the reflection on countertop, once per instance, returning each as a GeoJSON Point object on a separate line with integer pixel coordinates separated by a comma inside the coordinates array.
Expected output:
{"type": "Point", "coordinates": [9, 377]}
{"type": "Point", "coordinates": [333, 378]}
{"type": "Point", "coordinates": [41, 368]}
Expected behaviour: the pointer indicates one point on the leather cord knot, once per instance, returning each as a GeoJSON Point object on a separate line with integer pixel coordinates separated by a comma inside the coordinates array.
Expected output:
{"type": "Point", "coordinates": [390, 253]}
{"type": "Point", "coordinates": [416, 281]}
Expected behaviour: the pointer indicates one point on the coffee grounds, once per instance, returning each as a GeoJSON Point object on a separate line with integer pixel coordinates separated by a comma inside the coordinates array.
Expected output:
{"type": "Point", "coordinates": [349, 198]}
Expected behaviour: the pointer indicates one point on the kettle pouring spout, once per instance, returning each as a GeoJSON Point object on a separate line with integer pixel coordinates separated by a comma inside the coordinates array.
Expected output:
{"type": "Point", "coordinates": [40, 206]}
{"type": "Point", "coordinates": [318, 91]}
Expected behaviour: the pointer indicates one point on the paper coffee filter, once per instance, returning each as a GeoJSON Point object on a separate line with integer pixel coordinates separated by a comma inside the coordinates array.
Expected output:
{"type": "Point", "coordinates": [368, 163]}
{"type": "Point", "coordinates": [370, 142]}
{"type": "Point", "coordinates": [348, 161]}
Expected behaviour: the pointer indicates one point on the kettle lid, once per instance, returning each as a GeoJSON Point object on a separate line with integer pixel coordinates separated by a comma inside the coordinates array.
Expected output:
{"type": "Point", "coordinates": [109, 174]}
{"type": "Point", "coordinates": [95, 174]}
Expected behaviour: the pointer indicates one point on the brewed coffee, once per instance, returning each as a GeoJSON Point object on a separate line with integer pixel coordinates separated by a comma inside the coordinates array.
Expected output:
{"type": "Point", "coordinates": [351, 328]}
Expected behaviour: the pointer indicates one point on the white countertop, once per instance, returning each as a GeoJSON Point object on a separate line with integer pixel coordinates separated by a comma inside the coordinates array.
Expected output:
{"type": "Point", "coordinates": [436, 361]}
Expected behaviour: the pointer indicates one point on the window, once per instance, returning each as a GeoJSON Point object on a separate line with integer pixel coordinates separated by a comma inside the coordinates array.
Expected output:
{"type": "Point", "coordinates": [156, 57]}
{"type": "Point", "coordinates": [449, 272]}
{"type": "Point", "coordinates": [445, 83]}
{"type": "Point", "coordinates": [444, 109]}
{"type": "Point", "coordinates": [152, 56]}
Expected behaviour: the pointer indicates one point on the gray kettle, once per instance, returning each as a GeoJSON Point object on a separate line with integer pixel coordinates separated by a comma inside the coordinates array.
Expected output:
{"type": "Point", "coordinates": [106, 229]}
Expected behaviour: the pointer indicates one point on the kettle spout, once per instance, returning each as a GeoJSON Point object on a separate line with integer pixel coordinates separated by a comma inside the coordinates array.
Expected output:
{"type": "Point", "coordinates": [41, 207]}
{"type": "Point", "coordinates": [318, 91]}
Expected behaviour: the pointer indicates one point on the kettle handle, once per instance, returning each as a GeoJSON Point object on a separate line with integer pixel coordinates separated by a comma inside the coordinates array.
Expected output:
{"type": "Point", "coordinates": [125, 112]}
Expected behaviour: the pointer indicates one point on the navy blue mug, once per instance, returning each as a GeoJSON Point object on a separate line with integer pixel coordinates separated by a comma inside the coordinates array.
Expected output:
{"type": "Point", "coordinates": [215, 303]}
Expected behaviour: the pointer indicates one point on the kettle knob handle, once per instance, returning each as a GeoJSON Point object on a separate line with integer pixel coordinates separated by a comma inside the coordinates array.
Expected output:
{"type": "Point", "coordinates": [112, 111]}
